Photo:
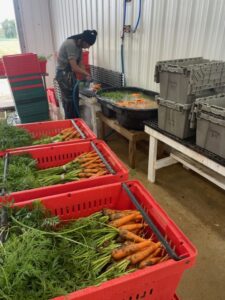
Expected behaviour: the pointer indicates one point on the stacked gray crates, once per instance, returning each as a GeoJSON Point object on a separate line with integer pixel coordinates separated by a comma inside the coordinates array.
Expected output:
{"type": "Point", "coordinates": [181, 82]}
{"type": "Point", "coordinates": [210, 133]}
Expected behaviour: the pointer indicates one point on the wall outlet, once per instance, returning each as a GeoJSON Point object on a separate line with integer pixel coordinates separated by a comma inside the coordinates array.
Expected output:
{"type": "Point", "coordinates": [127, 28]}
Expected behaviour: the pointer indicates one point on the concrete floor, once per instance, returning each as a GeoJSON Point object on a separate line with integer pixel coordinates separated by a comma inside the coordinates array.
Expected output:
{"type": "Point", "coordinates": [198, 208]}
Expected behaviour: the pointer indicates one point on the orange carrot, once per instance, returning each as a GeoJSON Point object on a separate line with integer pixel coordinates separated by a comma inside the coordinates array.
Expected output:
{"type": "Point", "coordinates": [92, 166]}
{"type": "Point", "coordinates": [90, 170]}
{"type": "Point", "coordinates": [150, 262]}
{"type": "Point", "coordinates": [156, 252]}
{"type": "Point", "coordinates": [130, 249]}
{"type": "Point", "coordinates": [108, 211]}
{"type": "Point", "coordinates": [83, 175]}
{"type": "Point", "coordinates": [132, 227]}
{"type": "Point", "coordinates": [91, 161]}
{"type": "Point", "coordinates": [100, 173]}
{"type": "Point", "coordinates": [140, 255]}
{"type": "Point", "coordinates": [128, 235]}
{"type": "Point", "coordinates": [124, 220]}
{"type": "Point", "coordinates": [120, 214]}
{"type": "Point", "coordinates": [165, 258]}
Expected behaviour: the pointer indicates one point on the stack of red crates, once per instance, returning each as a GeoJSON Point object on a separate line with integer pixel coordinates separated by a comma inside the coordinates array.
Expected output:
{"type": "Point", "coordinates": [23, 73]}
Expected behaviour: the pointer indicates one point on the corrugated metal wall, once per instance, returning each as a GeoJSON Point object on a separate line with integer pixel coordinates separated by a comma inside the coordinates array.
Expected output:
{"type": "Point", "coordinates": [168, 29]}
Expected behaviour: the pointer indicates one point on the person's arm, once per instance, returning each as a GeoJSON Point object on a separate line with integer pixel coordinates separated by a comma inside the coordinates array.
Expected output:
{"type": "Point", "coordinates": [76, 68]}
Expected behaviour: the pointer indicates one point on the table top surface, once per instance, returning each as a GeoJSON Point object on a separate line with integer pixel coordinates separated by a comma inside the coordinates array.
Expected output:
{"type": "Point", "coordinates": [189, 143]}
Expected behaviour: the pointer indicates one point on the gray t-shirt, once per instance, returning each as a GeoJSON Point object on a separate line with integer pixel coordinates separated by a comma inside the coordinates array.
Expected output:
{"type": "Point", "coordinates": [68, 50]}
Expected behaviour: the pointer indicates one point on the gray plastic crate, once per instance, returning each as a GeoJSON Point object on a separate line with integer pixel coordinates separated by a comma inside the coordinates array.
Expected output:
{"type": "Point", "coordinates": [210, 133]}
{"type": "Point", "coordinates": [180, 80]}
{"type": "Point", "coordinates": [174, 118]}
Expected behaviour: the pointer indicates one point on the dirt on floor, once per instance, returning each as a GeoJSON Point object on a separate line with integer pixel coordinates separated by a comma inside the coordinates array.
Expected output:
{"type": "Point", "coordinates": [198, 208]}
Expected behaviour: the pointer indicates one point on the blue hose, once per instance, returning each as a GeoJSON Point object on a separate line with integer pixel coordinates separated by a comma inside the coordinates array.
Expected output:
{"type": "Point", "coordinates": [139, 17]}
{"type": "Point", "coordinates": [122, 40]}
{"type": "Point", "coordinates": [76, 103]}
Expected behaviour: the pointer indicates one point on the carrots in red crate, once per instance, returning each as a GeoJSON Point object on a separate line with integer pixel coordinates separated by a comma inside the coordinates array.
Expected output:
{"type": "Point", "coordinates": [66, 134]}
{"type": "Point", "coordinates": [134, 247]}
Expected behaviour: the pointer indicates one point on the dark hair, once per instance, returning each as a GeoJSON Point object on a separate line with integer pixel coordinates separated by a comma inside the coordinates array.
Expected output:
{"type": "Point", "coordinates": [88, 36]}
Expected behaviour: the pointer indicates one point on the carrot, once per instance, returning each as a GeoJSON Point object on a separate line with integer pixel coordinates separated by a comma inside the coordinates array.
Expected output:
{"type": "Point", "coordinates": [150, 262]}
{"type": "Point", "coordinates": [83, 175]}
{"type": "Point", "coordinates": [90, 170]}
{"type": "Point", "coordinates": [108, 211]}
{"type": "Point", "coordinates": [86, 162]}
{"type": "Point", "coordinates": [120, 214]}
{"type": "Point", "coordinates": [165, 258]}
{"type": "Point", "coordinates": [155, 253]}
{"type": "Point", "coordinates": [132, 227]}
{"type": "Point", "coordinates": [130, 249]}
{"type": "Point", "coordinates": [127, 235]}
{"type": "Point", "coordinates": [93, 166]}
{"type": "Point", "coordinates": [140, 255]}
{"type": "Point", "coordinates": [88, 175]}
{"type": "Point", "coordinates": [124, 220]}
{"type": "Point", "coordinates": [100, 173]}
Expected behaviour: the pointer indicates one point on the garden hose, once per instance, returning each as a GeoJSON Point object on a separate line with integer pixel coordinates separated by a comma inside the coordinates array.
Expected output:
{"type": "Point", "coordinates": [76, 103]}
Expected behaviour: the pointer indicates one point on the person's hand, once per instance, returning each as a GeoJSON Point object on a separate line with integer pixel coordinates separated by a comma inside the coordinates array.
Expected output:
{"type": "Point", "coordinates": [88, 77]}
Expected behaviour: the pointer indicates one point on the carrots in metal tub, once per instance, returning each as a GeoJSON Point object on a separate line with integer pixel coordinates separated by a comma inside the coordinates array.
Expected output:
{"type": "Point", "coordinates": [130, 249]}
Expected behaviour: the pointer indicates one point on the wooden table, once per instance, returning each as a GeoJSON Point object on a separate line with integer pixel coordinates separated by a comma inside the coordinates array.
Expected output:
{"type": "Point", "coordinates": [190, 159]}
{"type": "Point", "coordinates": [133, 136]}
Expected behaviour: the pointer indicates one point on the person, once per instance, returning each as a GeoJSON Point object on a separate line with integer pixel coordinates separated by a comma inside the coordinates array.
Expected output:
{"type": "Point", "coordinates": [69, 62]}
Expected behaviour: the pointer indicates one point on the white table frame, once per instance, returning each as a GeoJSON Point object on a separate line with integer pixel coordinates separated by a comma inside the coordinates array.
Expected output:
{"type": "Point", "coordinates": [179, 153]}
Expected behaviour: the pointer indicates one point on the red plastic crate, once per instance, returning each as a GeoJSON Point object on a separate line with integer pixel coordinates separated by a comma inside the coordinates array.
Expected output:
{"type": "Point", "coordinates": [21, 64]}
{"type": "Point", "coordinates": [43, 66]}
{"type": "Point", "coordinates": [2, 68]}
{"type": "Point", "coordinates": [85, 57]}
{"type": "Point", "coordinates": [85, 60]}
{"type": "Point", "coordinates": [53, 156]}
{"type": "Point", "coordinates": [157, 282]}
{"type": "Point", "coordinates": [51, 97]}
{"type": "Point", "coordinates": [80, 76]}
{"type": "Point", "coordinates": [51, 128]}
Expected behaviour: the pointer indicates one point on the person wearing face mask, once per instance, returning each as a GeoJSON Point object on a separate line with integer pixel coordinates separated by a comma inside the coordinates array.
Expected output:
{"type": "Point", "coordinates": [69, 62]}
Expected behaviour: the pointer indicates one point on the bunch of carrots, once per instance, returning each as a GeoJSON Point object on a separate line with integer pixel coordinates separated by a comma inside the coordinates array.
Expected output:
{"type": "Point", "coordinates": [135, 247]}
{"type": "Point", "coordinates": [65, 135]}
{"type": "Point", "coordinates": [86, 165]}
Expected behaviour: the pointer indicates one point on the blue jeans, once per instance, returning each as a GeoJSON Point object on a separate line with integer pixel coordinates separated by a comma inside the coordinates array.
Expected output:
{"type": "Point", "coordinates": [67, 82]}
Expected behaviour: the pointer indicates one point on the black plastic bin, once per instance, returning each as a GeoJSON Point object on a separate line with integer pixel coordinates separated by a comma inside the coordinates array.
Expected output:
{"type": "Point", "coordinates": [128, 117]}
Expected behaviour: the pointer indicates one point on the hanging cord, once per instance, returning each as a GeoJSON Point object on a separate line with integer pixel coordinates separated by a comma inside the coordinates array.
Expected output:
{"type": "Point", "coordinates": [139, 17]}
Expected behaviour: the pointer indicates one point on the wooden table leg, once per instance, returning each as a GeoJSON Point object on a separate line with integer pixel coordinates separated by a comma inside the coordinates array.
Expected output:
{"type": "Point", "coordinates": [152, 158]}
{"type": "Point", "coordinates": [132, 153]}
{"type": "Point", "coordinates": [100, 136]}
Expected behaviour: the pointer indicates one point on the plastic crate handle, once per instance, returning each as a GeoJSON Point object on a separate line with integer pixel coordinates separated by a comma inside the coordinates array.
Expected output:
{"type": "Point", "coordinates": [78, 129]}
{"type": "Point", "coordinates": [150, 223]}
{"type": "Point", "coordinates": [6, 158]}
